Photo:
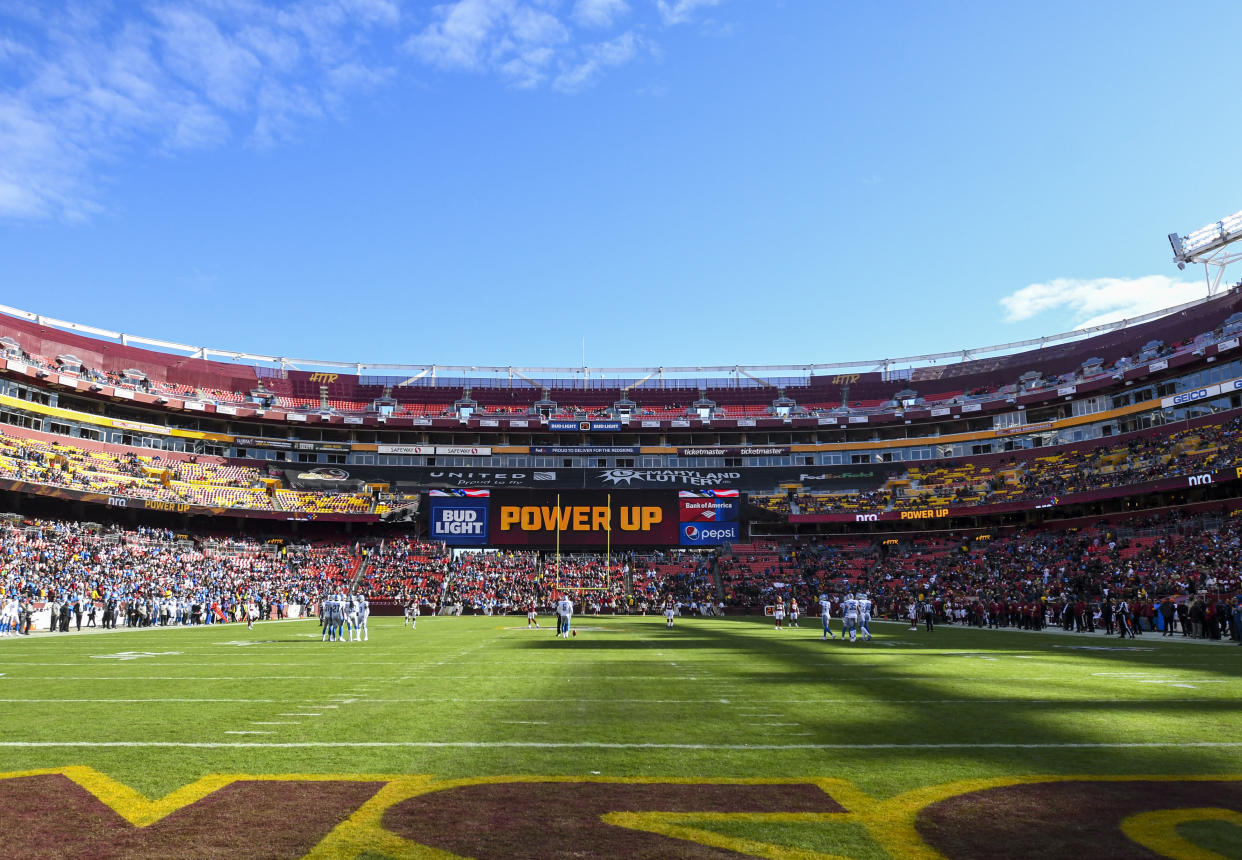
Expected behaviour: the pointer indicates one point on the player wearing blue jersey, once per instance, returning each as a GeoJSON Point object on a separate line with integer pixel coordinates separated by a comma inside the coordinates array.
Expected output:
{"type": "Point", "coordinates": [825, 614]}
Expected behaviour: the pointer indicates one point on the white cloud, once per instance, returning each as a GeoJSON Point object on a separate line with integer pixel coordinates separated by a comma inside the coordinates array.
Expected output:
{"type": "Point", "coordinates": [681, 11]}
{"type": "Point", "coordinates": [516, 40]}
{"type": "Point", "coordinates": [87, 85]}
{"type": "Point", "coordinates": [596, 58]}
{"type": "Point", "coordinates": [599, 14]}
{"type": "Point", "coordinates": [1095, 301]}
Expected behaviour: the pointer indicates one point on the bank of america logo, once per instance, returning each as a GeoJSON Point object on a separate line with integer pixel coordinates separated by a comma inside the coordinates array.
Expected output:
{"type": "Point", "coordinates": [545, 476]}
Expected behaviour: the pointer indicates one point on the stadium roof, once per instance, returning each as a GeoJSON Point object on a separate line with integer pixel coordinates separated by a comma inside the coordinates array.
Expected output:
{"type": "Point", "coordinates": [420, 371]}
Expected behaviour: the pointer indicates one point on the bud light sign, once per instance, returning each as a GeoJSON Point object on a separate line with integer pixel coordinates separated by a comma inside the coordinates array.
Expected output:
{"type": "Point", "coordinates": [702, 534]}
{"type": "Point", "coordinates": [460, 517]}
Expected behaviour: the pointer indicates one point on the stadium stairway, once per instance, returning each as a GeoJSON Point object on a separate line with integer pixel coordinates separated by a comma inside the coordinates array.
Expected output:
{"type": "Point", "coordinates": [363, 566]}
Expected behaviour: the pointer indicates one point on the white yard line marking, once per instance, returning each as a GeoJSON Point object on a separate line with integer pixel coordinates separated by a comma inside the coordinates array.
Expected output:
{"type": "Point", "coordinates": [301, 714]}
{"type": "Point", "coordinates": [147, 701]}
{"type": "Point", "coordinates": [603, 745]}
{"type": "Point", "coordinates": [192, 678]}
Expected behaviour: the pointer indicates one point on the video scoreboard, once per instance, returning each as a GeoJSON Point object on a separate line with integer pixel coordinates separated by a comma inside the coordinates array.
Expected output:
{"type": "Point", "coordinates": [585, 519]}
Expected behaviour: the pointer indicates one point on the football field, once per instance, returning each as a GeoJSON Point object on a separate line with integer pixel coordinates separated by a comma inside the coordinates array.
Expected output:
{"type": "Point", "coordinates": [476, 737]}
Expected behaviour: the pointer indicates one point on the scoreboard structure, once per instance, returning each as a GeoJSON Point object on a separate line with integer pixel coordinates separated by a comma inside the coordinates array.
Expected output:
{"type": "Point", "coordinates": [584, 519]}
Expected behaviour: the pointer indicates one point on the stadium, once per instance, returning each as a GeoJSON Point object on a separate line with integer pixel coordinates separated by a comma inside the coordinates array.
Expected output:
{"type": "Point", "coordinates": [647, 429]}
{"type": "Point", "coordinates": [1047, 535]}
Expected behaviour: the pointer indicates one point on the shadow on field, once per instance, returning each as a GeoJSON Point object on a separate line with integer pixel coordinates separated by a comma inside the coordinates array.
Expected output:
{"type": "Point", "coordinates": [1022, 714]}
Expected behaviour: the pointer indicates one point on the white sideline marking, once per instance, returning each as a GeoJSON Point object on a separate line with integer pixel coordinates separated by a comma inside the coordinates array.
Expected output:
{"type": "Point", "coordinates": [525, 722]}
{"type": "Point", "coordinates": [603, 745]}
{"type": "Point", "coordinates": [304, 714]}
{"type": "Point", "coordinates": [740, 712]}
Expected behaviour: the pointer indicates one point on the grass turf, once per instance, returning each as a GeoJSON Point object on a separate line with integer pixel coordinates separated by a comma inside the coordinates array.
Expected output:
{"type": "Point", "coordinates": [711, 698]}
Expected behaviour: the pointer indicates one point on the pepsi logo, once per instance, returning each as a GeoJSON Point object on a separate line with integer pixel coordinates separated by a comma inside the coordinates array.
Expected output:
{"type": "Point", "coordinates": [692, 532]}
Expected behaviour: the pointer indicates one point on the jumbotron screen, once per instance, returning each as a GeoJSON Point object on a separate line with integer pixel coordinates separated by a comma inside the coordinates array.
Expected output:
{"type": "Point", "coordinates": [584, 519]}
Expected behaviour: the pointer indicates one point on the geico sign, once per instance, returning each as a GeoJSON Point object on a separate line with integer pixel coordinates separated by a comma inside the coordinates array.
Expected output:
{"type": "Point", "coordinates": [578, 518]}
{"type": "Point", "coordinates": [1200, 480]}
{"type": "Point", "coordinates": [1190, 396]}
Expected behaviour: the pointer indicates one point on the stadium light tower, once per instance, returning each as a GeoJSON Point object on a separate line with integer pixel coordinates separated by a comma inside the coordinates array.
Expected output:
{"type": "Point", "coordinates": [1210, 246]}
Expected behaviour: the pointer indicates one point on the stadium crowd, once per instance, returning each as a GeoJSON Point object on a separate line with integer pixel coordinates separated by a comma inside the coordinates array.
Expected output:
{"type": "Point", "coordinates": [1137, 460]}
{"type": "Point", "coordinates": [107, 576]}
{"type": "Point", "coordinates": [1179, 574]}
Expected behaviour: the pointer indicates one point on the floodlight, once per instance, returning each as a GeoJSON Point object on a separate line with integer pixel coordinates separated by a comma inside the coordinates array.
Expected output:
{"type": "Point", "coordinates": [1207, 246]}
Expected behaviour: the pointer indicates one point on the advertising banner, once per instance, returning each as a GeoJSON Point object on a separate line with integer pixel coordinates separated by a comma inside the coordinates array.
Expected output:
{"type": "Point", "coordinates": [459, 517]}
{"type": "Point", "coordinates": [855, 477]}
{"type": "Point", "coordinates": [583, 519]}
{"type": "Point", "coordinates": [585, 426]}
{"type": "Point", "coordinates": [704, 534]}
{"type": "Point", "coordinates": [582, 450]}
{"type": "Point", "coordinates": [708, 510]}
{"type": "Point", "coordinates": [735, 451]}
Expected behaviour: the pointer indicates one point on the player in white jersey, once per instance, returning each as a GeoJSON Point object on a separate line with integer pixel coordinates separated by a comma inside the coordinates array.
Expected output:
{"type": "Point", "coordinates": [565, 611]}
{"type": "Point", "coordinates": [411, 614]}
{"type": "Point", "coordinates": [849, 615]}
{"type": "Point", "coordinates": [8, 617]}
{"type": "Point", "coordinates": [532, 616]}
{"type": "Point", "coordinates": [669, 612]}
{"type": "Point", "coordinates": [825, 614]}
{"type": "Point", "coordinates": [351, 618]}
{"type": "Point", "coordinates": [864, 615]}
{"type": "Point", "coordinates": [778, 613]}
{"type": "Point", "coordinates": [363, 609]}
{"type": "Point", "coordinates": [793, 612]}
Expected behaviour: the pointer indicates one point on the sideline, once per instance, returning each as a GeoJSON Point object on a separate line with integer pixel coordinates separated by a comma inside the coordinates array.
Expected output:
{"type": "Point", "coordinates": [229, 625]}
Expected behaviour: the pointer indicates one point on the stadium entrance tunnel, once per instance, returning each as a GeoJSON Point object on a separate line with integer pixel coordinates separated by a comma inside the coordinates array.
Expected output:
{"type": "Point", "coordinates": [77, 811]}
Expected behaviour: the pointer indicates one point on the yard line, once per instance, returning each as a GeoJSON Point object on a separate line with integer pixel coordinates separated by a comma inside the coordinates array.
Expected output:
{"type": "Point", "coordinates": [80, 700]}
{"type": "Point", "coordinates": [183, 678]}
{"type": "Point", "coordinates": [303, 714]}
{"type": "Point", "coordinates": [603, 745]}
{"type": "Point", "coordinates": [275, 723]}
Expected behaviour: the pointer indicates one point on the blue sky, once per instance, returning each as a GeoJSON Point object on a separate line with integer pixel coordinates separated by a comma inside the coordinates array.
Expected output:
{"type": "Point", "coordinates": [681, 182]}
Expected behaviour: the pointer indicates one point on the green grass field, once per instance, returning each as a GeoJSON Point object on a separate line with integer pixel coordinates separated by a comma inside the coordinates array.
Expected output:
{"type": "Point", "coordinates": [650, 728]}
